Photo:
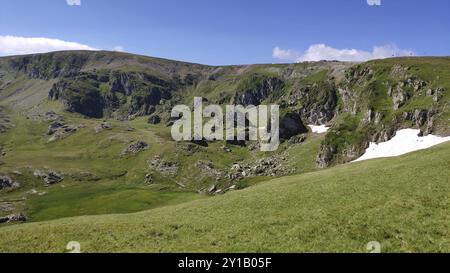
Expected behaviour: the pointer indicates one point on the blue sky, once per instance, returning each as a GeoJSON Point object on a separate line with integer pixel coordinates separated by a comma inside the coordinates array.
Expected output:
{"type": "Point", "coordinates": [230, 31]}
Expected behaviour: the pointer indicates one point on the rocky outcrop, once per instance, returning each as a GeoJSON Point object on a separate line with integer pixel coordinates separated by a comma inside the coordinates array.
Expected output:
{"type": "Point", "coordinates": [291, 125]}
{"type": "Point", "coordinates": [155, 119]}
{"type": "Point", "coordinates": [373, 116]}
{"type": "Point", "coordinates": [79, 97]}
{"type": "Point", "coordinates": [134, 148]}
{"type": "Point", "coordinates": [358, 75]}
{"type": "Point", "coordinates": [13, 218]}
{"type": "Point", "coordinates": [208, 169]}
{"type": "Point", "coordinates": [272, 166]}
{"type": "Point", "coordinates": [325, 156]}
{"type": "Point", "coordinates": [399, 97]}
{"type": "Point", "coordinates": [7, 183]}
{"type": "Point", "coordinates": [255, 89]}
{"type": "Point", "coordinates": [49, 177]}
{"type": "Point", "coordinates": [59, 129]}
{"type": "Point", "coordinates": [50, 65]}
{"type": "Point", "coordinates": [166, 168]}
{"type": "Point", "coordinates": [318, 102]}
{"type": "Point", "coordinates": [94, 94]}
{"type": "Point", "coordinates": [102, 127]}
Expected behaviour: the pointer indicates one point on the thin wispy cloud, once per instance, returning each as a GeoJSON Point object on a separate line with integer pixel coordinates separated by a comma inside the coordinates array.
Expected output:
{"type": "Point", "coordinates": [14, 45]}
{"type": "Point", "coordinates": [118, 49]}
{"type": "Point", "coordinates": [321, 52]}
{"type": "Point", "coordinates": [374, 2]}
{"type": "Point", "coordinates": [73, 2]}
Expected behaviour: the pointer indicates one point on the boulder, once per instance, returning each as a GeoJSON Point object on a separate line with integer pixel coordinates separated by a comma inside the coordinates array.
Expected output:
{"type": "Point", "coordinates": [148, 179]}
{"type": "Point", "coordinates": [7, 183]}
{"type": "Point", "coordinates": [102, 127]}
{"type": "Point", "coordinates": [50, 177]}
{"type": "Point", "coordinates": [13, 218]}
{"type": "Point", "coordinates": [155, 119]}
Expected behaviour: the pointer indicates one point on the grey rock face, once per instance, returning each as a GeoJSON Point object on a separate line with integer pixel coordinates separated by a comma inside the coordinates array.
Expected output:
{"type": "Point", "coordinates": [420, 117]}
{"type": "Point", "coordinates": [262, 89]}
{"type": "Point", "coordinates": [399, 97]}
{"type": "Point", "coordinates": [325, 156]}
{"type": "Point", "coordinates": [291, 125]}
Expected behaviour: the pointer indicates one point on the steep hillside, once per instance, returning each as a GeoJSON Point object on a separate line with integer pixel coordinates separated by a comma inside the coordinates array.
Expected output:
{"type": "Point", "coordinates": [85, 133]}
{"type": "Point", "coordinates": [403, 203]}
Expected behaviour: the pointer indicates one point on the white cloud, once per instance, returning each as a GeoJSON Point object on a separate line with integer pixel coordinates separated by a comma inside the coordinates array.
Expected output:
{"type": "Point", "coordinates": [374, 2]}
{"type": "Point", "coordinates": [320, 52]}
{"type": "Point", "coordinates": [118, 49]}
{"type": "Point", "coordinates": [73, 2]}
{"type": "Point", "coordinates": [285, 54]}
{"type": "Point", "coordinates": [13, 45]}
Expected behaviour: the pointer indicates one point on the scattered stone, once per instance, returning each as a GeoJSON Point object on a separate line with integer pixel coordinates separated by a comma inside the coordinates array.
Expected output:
{"type": "Point", "coordinates": [226, 149]}
{"type": "Point", "coordinates": [188, 148]}
{"type": "Point", "coordinates": [54, 127]}
{"type": "Point", "coordinates": [148, 179]}
{"type": "Point", "coordinates": [271, 166]}
{"type": "Point", "coordinates": [59, 130]}
{"type": "Point", "coordinates": [13, 218]}
{"type": "Point", "coordinates": [7, 183]}
{"type": "Point", "coordinates": [35, 192]}
{"type": "Point", "coordinates": [207, 168]}
{"type": "Point", "coordinates": [102, 127]}
{"type": "Point", "coordinates": [298, 139]}
{"type": "Point", "coordinates": [6, 207]}
{"type": "Point", "coordinates": [438, 94]}
{"type": "Point", "coordinates": [167, 168]}
{"type": "Point", "coordinates": [50, 177]}
{"type": "Point", "coordinates": [135, 148]}
{"type": "Point", "coordinates": [212, 189]}
{"type": "Point", "coordinates": [52, 116]}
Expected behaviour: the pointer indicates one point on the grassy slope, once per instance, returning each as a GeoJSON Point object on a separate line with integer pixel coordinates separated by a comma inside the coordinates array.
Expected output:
{"type": "Point", "coordinates": [121, 188]}
{"type": "Point", "coordinates": [401, 202]}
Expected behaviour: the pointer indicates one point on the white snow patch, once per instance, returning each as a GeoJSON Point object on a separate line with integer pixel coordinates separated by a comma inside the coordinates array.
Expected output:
{"type": "Point", "coordinates": [405, 141]}
{"type": "Point", "coordinates": [321, 129]}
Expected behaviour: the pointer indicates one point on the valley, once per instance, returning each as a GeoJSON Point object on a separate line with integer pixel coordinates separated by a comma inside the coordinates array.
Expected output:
{"type": "Point", "coordinates": [87, 154]}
